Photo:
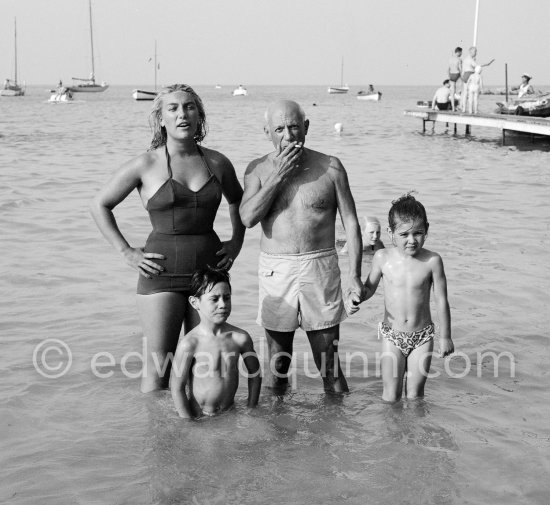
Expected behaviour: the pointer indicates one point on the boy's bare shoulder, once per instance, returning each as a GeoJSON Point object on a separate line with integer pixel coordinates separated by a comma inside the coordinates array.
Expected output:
{"type": "Point", "coordinates": [189, 341]}
{"type": "Point", "coordinates": [238, 335]}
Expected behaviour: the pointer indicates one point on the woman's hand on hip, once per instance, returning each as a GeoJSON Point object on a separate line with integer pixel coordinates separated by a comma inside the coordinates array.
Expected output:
{"type": "Point", "coordinates": [142, 261]}
{"type": "Point", "coordinates": [229, 251]}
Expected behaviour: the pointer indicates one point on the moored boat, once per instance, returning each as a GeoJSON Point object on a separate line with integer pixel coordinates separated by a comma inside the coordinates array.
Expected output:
{"type": "Point", "coordinates": [240, 91]}
{"type": "Point", "coordinates": [61, 95]}
{"type": "Point", "coordinates": [88, 85]}
{"type": "Point", "coordinates": [334, 90]}
{"type": "Point", "coordinates": [532, 106]}
{"type": "Point", "coordinates": [12, 87]}
{"type": "Point", "coordinates": [339, 90]}
{"type": "Point", "coordinates": [141, 94]}
{"type": "Point", "coordinates": [369, 96]}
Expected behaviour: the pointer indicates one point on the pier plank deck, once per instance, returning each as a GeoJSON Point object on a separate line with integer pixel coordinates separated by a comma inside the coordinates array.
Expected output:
{"type": "Point", "coordinates": [526, 124]}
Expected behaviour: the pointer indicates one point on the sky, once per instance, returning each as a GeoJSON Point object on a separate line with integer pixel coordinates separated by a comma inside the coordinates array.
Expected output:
{"type": "Point", "coordinates": [283, 42]}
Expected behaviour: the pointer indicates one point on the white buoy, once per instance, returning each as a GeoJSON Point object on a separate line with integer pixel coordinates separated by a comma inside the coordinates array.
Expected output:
{"type": "Point", "coordinates": [339, 127]}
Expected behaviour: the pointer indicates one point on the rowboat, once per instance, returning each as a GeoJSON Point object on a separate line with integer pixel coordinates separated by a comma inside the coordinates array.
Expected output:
{"type": "Point", "coordinates": [532, 106]}
{"type": "Point", "coordinates": [369, 96]}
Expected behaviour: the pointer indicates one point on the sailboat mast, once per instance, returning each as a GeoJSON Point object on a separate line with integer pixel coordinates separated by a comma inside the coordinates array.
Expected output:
{"type": "Point", "coordinates": [342, 74]}
{"type": "Point", "coordinates": [475, 23]}
{"type": "Point", "coordinates": [92, 40]}
{"type": "Point", "coordinates": [155, 64]}
{"type": "Point", "coordinates": [15, 30]}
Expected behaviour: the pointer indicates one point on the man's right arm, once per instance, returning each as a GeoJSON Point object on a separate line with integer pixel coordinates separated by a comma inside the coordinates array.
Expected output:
{"type": "Point", "coordinates": [258, 197]}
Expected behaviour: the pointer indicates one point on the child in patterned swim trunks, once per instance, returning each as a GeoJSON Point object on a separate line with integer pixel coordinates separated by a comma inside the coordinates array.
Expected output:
{"type": "Point", "coordinates": [409, 272]}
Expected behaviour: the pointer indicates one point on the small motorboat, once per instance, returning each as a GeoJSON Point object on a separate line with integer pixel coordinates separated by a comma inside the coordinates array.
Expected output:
{"type": "Point", "coordinates": [533, 106]}
{"type": "Point", "coordinates": [363, 95]}
{"type": "Point", "coordinates": [61, 95]}
{"type": "Point", "coordinates": [240, 91]}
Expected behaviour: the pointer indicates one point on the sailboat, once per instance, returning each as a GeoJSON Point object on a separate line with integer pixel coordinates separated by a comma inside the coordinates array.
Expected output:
{"type": "Point", "coordinates": [12, 88]}
{"type": "Point", "coordinates": [339, 89]}
{"type": "Point", "coordinates": [88, 85]}
{"type": "Point", "coordinates": [140, 94]}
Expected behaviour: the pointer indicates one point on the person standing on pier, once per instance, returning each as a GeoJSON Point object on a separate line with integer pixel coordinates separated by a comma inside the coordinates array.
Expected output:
{"type": "Point", "coordinates": [455, 70]}
{"type": "Point", "coordinates": [469, 65]}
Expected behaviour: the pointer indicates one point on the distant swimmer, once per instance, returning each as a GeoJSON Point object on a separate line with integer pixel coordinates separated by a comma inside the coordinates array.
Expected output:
{"type": "Point", "coordinates": [371, 237]}
{"type": "Point", "coordinates": [339, 127]}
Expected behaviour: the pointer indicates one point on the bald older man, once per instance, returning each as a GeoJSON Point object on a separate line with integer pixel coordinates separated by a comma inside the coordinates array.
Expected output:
{"type": "Point", "coordinates": [296, 193]}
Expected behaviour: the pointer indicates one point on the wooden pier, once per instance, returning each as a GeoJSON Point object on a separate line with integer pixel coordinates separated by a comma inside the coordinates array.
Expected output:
{"type": "Point", "coordinates": [524, 124]}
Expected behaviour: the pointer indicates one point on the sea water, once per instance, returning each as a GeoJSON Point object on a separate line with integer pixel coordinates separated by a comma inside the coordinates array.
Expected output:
{"type": "Point", "coordinates": [76, 429]}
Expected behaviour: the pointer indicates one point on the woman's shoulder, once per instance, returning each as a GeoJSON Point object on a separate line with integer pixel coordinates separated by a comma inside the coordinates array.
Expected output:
{"type": "Point", "coordinates": [217, 161]}
{"type": "Point", "coordinates": [143, 162]}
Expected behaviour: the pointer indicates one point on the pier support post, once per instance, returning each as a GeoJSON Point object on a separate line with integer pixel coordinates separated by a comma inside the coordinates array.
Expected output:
{"type": "Point", "coordinates": [455, 128]}
{"type": "Point", "coordinates": [503, 137]}
{"type": "Point", "coordinates": [468, 129]}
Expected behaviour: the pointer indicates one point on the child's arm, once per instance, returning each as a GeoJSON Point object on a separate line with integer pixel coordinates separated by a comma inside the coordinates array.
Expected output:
{"type": "Point", "coordinates": [446, 346]}
{"type": "Point", "coordinates": [351, 303]}
{"type": "Point", "coordinates": [252, 365]}
{"type": "Point", "coordinates": [374, 276]}
{"type": "Point", "coordinates": [179, 376]}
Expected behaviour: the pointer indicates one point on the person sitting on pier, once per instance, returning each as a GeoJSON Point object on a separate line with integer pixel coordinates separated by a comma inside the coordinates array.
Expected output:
{"type": "Point", "coordinates": [443, 98]}
{"type": "Point", "coordinates": [474, 87]}
{"type": "Point", "coordinates": [525, 88]}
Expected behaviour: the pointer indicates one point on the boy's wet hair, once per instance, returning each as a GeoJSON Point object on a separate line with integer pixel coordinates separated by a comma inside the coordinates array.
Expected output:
{"type": "Point", "coordinates": [206, 278]}
{"type": "Point", "coordinates": [407, 208]}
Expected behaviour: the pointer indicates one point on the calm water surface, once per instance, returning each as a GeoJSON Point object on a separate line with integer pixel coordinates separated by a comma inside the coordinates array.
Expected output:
{"type": "Point", "coordinates": [480, 436]}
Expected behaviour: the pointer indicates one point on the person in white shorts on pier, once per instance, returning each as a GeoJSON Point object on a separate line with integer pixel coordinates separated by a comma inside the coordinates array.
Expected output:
{"type": "Point", "coordinates": [296, 193]}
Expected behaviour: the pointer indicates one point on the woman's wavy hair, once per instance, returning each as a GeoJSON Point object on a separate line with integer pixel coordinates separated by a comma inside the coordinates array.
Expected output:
{"type": "Point", "coordinates": [159, 131]}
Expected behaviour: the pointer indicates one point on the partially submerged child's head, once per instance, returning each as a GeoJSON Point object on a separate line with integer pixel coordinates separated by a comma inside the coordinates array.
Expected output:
{"type": "Point", "coordinates": [206, 278]}
{"type": "Point", "coordinates": [407, 209]}
{"type": "Point", "coordinates": [446, 81]}
{"type": "Point", "coordinates": [372, 230]}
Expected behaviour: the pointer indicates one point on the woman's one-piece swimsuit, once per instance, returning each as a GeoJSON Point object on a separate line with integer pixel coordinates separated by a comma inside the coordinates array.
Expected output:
{"type": "Point", "coordinates": [183, 231]}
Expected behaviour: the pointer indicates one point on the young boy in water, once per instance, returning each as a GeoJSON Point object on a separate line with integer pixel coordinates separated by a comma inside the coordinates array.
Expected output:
{"type": "Point", "coordinates": [207, 358]}
{"type": "Point", "coordinates": [409, 272]}
{"type": "Point", "coordinates": [371, 237]}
